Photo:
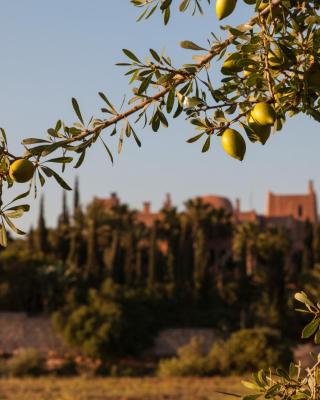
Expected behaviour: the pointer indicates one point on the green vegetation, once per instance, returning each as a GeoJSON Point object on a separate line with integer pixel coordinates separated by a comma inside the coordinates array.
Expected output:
{"type": "Point", "coordinates": [113, 322]}
{"type": "Point", "coordinates": [27, 362]}
{"type": "Point", "coordinates": [83, 270]}
{"type": "Point", "coordinates": [270, 71]}
{"type": "Point", "coordinates": [245, 350]}
{"type": "Point", "coordinates": [102, 272]}
{"type": "Point", "coordinates": [191, 360]}
{"type": "Point", "coordinates": [296, 382]}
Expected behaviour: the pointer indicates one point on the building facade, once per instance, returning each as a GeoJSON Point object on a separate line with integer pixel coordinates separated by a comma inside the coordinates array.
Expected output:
{"type": "Point", "coordinates": [281, 209]}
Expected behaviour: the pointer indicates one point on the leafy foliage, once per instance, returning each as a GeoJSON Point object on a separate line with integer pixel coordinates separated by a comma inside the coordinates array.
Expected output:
{"type": "Point", "coordinates": [112, 322]}
{"type": "Point", "coordinates": [297, 382]}
{"type": "Point", "coordinates": [183, 263]}
{"type": "Point", "coordinates": [27, 362]}
{"type": "Point", "coordinates": [243, 352]}
{"type": "Point", "coordinates": [191, 360]}
{"type": "Point", "coordinates": [272, 58]}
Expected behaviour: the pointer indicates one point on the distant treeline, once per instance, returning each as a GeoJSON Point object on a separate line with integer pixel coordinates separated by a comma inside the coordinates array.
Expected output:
{"type": "Point", "coordinates": [190, 268]}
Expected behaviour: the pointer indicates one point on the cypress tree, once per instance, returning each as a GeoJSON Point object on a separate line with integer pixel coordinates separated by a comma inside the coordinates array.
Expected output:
{"type": "Point", "coordinates": [41, 237]}
{"type": "Point", "coordinates": [113, 256]}
{"type": "Point", "coordinates": [93, 260]}
{"type": "Point", "coordinates": [62, 233]}
{"type": "Point", "coordinates": [30, 240]}
{"type": "Point", "coordinates": [76, 197]}
{"type": "Point", "coordinates": [76, 255]}
{"type": "Point", "coordinates": [64, 218]}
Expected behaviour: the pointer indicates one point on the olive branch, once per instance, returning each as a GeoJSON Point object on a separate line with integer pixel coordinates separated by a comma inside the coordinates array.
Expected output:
{"type": "Point", "coordinates": [285, 87]}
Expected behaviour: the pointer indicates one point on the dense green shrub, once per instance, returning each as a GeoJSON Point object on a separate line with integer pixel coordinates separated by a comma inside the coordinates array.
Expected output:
{"type": "Point", "coordinates": [111, 323]}
{"type": "Point", "coordinates": [27, 362]}
{"type": "Point", "coordinates": [191, 360]}
{"type": "Point", "coordinates": [245, 351]}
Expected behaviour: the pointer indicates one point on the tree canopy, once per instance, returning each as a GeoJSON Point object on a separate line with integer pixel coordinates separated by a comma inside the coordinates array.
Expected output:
{"type": "Point", "coordinates": [268, 70]}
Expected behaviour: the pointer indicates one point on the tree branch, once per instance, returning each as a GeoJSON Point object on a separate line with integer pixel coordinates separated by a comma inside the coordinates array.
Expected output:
{"type": "Point", "coordinates": [215, 50]}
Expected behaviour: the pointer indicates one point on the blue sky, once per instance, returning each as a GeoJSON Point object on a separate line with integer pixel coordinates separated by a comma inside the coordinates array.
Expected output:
{"type": "Point", "coordinates": [52, 51]}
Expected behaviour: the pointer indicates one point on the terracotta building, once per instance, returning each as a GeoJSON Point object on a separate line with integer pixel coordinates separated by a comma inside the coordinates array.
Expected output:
{"type": "Point", "coordinates": [284, 209]}
{"type": "Point", "coordinates": [280, 209]}
{"type": "Point", "coordinates": [301, 207]}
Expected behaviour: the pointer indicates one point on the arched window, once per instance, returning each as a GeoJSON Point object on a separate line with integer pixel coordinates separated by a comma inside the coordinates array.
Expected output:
{"type": "Point", "coordinates": [300, 211]}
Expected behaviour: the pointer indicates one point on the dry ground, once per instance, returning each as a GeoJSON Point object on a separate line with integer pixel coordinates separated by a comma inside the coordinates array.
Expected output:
{"type": "Point", "coordinates": [119, 389]}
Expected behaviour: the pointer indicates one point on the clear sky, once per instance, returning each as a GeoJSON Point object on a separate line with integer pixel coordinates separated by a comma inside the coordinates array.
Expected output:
{"type": "Point", "coordinates": [52, 51]}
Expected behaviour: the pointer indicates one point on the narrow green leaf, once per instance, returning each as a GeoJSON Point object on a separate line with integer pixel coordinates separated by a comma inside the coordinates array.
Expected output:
{"type": "Point", "coordinates": [4, 136]}
{"type": "Point", "coordinates": [187, 44]}
{"type": "Point", "coordinates": [41, 178]}
{"type": "Point", "coordinates": [77, 109]}
{"type": "Point", "coordinates": [45, 150]}
{"type": "Point", "coordinates": [155, 55]}
{"type": "Point", "coordinates": [120, 143]}
{"type": "Point", "coordinates": [107, 149]}
{"type": "Point", "coordinates": [23, 207]}
{"type": "Point", "coordinates": [61, 160]}
{"type": "Point", "coordinates": [58, 126]}
{"type": "Point", "coordinates": [137, 140]}
{"type": "Point", "coordinates": [166, 15]}
{"type": "Point", "coordinates": [53, 133]}
{"type": "Point", "coordinates": [155, 123]}
{"type": "Point", "coordinates": [184, 5]}
{"type": "Point", "coordinates": [12, 226]}
{"type": "Point", "coordinates": [228, 393]}
{"type": "Point", "coordinates": [152, 11]}
{"type": "Point", "coordinates": [142, 14]}
{"type": "Point", "coordinates": [317, 337]}
{"type": "Point", "coordinates": [104, 98]}
{"type": "Point", "coordinates": [51, 173]}
{"type": "Point", "coordinates": [170, 100]}
{"type": "Point", "coordinates": [195, 138]}
{"type": "Point", "coordinates": [198, 122]}
{"type": "Point", "coordinates": [250, 385]}
{"type": "Point", "coordinates": [310, 329]}
{"type": "Point", "coordinates": [206, 145]}
{"type": "Point", "coordinates": [34, 141]}
{"type": "Point", "coordinates": [178, 111]}
{"type": "Point", "coordinates": [3, 235]}
{"type": "Point", "coordinates": [20, 196]}
{"type": "Point", "coordinates": [132, 56]}
{"type": "Point", "coordinates": [14, 214]}
{"type": "Point", "coordinates": [81, 159]}
{"type": "Point", "coordinates": [303, 298]}
{"type": "Point", "coordinates": [144, 85]}
{"type": "Point", "coordinates": [163, 119]}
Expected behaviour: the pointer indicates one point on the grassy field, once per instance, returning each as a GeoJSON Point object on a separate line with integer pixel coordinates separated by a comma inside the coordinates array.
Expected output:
{"type": "Point", "coordinates": [119, 389]}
